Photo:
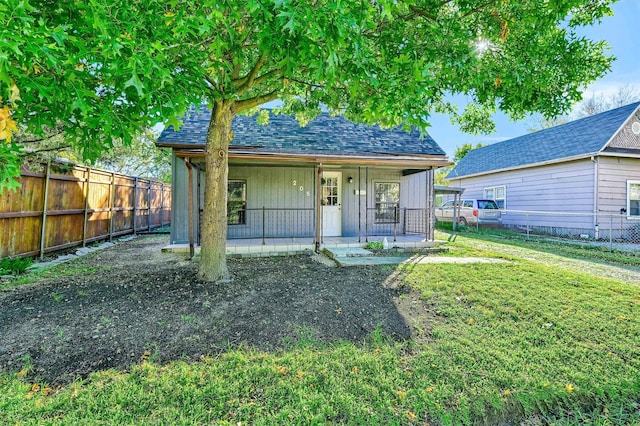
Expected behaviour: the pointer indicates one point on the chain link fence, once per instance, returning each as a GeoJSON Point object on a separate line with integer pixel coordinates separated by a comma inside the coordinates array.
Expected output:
{"type": "Point", "coordinates": [613, 231]}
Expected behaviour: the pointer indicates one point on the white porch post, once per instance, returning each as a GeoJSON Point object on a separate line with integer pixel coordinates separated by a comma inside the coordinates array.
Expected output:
{"type": "Point", "coordinates": [318, 208]}
{"type": "Point", "coordinates": [429, 205]}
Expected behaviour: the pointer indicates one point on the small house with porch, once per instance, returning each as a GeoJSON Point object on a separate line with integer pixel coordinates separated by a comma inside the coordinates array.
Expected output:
{"type": "Point", "coordinates": [296, 188]}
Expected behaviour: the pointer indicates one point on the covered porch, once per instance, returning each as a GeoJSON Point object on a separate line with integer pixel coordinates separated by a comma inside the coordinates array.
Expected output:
{"type": "Point", "coordinates": [285, 206]}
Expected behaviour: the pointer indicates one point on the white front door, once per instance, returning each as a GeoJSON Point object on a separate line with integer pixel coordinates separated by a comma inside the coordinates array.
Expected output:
{"type": "Point", "coordinates": [331, 204]}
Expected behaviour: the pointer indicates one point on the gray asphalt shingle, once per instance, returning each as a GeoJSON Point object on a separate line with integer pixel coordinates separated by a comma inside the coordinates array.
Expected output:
{"type": "Point", "coordinates": [334, 135]}
{"type": "Point", "coordinates": [580, 137]}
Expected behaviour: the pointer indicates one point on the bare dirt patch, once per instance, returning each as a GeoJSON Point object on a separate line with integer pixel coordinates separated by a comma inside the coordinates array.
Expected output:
{"type": "Point", "coordinates": [130, 302]}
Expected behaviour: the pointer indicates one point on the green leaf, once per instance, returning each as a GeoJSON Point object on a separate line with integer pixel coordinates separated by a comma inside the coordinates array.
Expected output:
{"type": "Point", "coordinates": [9, 167]}
{"type": "Point", "coordinates": [135, 82]}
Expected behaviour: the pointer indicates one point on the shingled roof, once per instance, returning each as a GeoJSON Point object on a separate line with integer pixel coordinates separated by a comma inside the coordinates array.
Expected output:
{"type": "Point", "coordinates": [583, 137]}
{"type": "Point", "coordinates": [333, 135]}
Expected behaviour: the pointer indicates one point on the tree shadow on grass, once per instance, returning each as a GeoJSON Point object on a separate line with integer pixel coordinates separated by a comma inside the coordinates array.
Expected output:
{"type": "Point", "coordinates": [571, 250]}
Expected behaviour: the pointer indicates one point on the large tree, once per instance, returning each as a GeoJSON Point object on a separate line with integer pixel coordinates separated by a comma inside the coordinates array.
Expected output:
{"type": "Point", "coordinates": [105, 68]}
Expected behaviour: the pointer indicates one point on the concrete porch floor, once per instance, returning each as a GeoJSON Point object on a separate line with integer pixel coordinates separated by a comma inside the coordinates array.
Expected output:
{"type": "Point", "coordinates": [286, 246]}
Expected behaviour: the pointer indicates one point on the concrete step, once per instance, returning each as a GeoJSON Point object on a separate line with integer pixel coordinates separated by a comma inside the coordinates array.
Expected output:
{"type": "Point", "coordinates": [342, 252]}
{"type": "Point", "coordinates": [373, 260]}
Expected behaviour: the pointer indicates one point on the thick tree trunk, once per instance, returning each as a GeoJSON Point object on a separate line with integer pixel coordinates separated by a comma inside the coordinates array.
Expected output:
{"type": "Point", "coordinates": [213, 263]}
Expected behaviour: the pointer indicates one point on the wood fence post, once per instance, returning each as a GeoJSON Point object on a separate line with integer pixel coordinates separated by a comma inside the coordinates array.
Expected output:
{"type": "Point", "coordinates": [112, 197]}
{"type": "Point", "coordinates": [162, 205]}
{"type": "Point", "coordinates": [135, 205]}
{"type": "Point", "coordinates": [86, 208]}
{"type": "Point", "coordinates": [43, 232]}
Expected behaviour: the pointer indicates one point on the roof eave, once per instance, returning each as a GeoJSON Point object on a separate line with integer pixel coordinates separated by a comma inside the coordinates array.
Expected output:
{"type": "Point", "coordinates": [179, 145]}
{"type": "Point", "coordinates": [435, 160]}
{"type": "Point", "coordinates": [619, 154]}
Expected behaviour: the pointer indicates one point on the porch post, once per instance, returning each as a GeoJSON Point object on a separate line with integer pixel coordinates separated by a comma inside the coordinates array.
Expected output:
{"type": "Point", "coordinates": [359, 206]}
{"type": "Point", "coordinates": [187, 162]}
{"type": "Point", "coordinates": [366, 205]}
{"type": "Point", "coordinates": [318, 207]}
{"type": "Point", "coordinates": [456, 201]}
{"type": "Point", "coordinates": [428, 211]}
{"type": "Point", "coordinates": [426, 205]}
{"type": "Point", "coordinates": [198, 200]}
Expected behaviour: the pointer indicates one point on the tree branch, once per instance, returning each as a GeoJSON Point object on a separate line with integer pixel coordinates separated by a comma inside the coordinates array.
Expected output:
{"type": "Point", "coordinates": [254, 102]}
{"type": "Point", "coordinates": [236, 72]}
{"type": "Point", "coordinates": [478, 8]}
{"type": "Point", "coordinates": [38, 140]}
{"type": "Point", "coordinates": [423, 13]}
{"type": "Point", "coordinates": [55, 148]}
{"type": "Point", "coordinates": [238, 82]}
{"type": "Point", "coordinates": [249, 79]}
{"type": "Point", "coordinates": [317, 86]}
{"type": "Point", "coordinates": [264, 77]}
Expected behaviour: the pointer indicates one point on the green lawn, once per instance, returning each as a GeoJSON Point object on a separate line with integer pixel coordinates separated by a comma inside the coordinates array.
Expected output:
{"type": "Point", "coordinates": [510, 341]}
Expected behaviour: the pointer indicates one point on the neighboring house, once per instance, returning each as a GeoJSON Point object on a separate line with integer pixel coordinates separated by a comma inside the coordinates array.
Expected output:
{"type": "Point", "coordinates": [588, 167]}
{"type": "Point", "coordinates": [331, 178]}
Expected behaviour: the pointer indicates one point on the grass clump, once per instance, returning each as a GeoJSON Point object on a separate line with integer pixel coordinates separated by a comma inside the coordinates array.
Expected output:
{"type": "Point", "coordinates": [374, 245]}
{"type": "Point", "coordinates": [14, 266]}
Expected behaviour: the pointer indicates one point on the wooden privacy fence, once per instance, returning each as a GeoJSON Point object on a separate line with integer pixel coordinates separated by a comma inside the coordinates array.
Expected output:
{"type": "Point", "coordinates": [68, 206]}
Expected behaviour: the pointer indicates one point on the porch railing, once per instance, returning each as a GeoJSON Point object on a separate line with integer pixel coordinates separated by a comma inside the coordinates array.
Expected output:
{"type": "Point", "coordinates": [269, 222]}
{"type": "Point", "coordinates": [393, 220]}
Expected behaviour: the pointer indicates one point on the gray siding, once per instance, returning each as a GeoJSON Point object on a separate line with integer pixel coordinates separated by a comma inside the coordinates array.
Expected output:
{"type": "Point", "coordinates": [180, 201]}
{"type": "Point", "coordinates": [414, 198]}
{"type": "Point", "coordinates": [414, 191]}
{"type": "Point", "coordinates": [562, 187]}
{"type": "Point", "coordinates": [613, 174]}
{"type": "Point", "coordinates": [287, 195]}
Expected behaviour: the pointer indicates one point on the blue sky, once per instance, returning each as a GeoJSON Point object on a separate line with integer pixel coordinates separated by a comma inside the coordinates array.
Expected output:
{"type": "Point", "coordinates": [622, 33]}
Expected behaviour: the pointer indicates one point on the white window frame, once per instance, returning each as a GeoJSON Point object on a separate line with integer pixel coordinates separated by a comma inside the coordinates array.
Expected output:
{"type": "Point", "coordinates": [240, 216]}
{"type": "Point", "coordinates": [493, 188]}
{"type": "Point", "coordinates": [383, 219]}
{"type": "Point", "coordinates": [629, 183]}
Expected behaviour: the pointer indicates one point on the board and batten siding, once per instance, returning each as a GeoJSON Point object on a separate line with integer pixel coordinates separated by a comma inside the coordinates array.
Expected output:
{"type": "Point", "coordinates": [562, 187]}
{"type": "Point", "coordinates": [180, 202]}
{"type": "Point", "coordinates": [287, 195]}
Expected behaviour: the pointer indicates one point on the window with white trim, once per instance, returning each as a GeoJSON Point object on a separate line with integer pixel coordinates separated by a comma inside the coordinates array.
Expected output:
{"type": "Point", "coordinates": [498, 194]}
{"type": "Point", "coordinates": [236, 202]}
{"type": "Point", "coordinates": [387, 199]}
{"type": "Point", "coordinates": [633, 198]}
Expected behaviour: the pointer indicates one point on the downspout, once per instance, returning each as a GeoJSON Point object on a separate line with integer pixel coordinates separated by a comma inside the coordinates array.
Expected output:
{"type": "Point", "coordinates": [187, 162]}
{"type": "Point", "coordinates": [594, 160]}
